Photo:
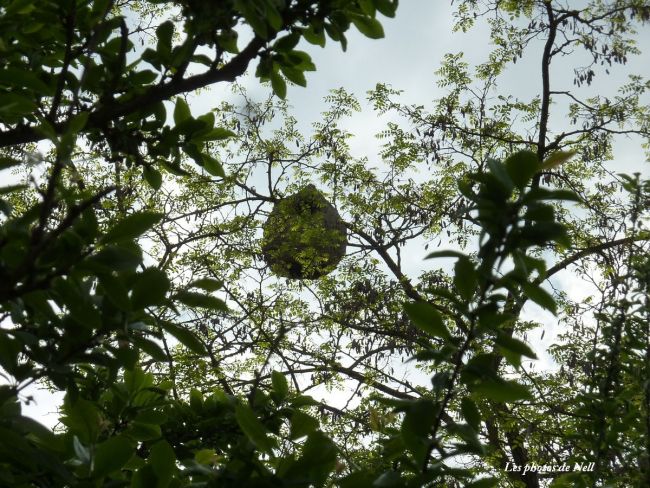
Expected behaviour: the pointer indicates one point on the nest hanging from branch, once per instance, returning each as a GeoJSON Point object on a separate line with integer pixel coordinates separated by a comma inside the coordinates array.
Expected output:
{"type": "Point", "coordinates": [304, 236]}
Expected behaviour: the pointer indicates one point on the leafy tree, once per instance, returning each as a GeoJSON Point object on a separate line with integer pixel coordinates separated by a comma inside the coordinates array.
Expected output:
{"type": "Point", "coordinates": [81, 304]}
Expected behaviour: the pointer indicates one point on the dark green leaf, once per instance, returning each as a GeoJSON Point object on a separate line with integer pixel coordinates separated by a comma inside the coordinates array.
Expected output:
{"type": "Point", "coordinates": [427, 319]}
{"type": "Point", "coordinates": [163, 462]}
{"type": "Point", "coordinates": [207, 284]}
{"type": "Point", "coordinates": [11, 188]}
{"type": "Point", "coordinates": [471, 413]}
{"type": "Point", "coordinates": [165, 32]}
{"type": "Point", "coordinates": [317, 460]}
{"type": "Point", "coordinates": [151, 348]}
{"type": "Point", "coordinates": [280, 385]}
{"type": "Point", "coordinates": [116, 291]}
{"type": "Point", "coordinates": [20, 78]}
{"type": "Point", "coordinates": [483, 483]}
{"type": "Point", "coordinates": [418, 420]}
{"type": "Point", "coordinates": [294, 75]}
{"type": "Point", "coordinates": [149, 288]}
{"type": "Point", "coordinates": [445, 254]}
{"type": "Point", "coordinates": [153, 177]}
{"type": "Point", "coordinates": [181, 111]}
{"type": "Point", "coordinates": [213, 166]}
{"type": "Point", "coordinates": [465, 278]}
{"type": "Point", "coordinates": [111, 455]}
{"type": "Point", "coordinates": [501, 390]}
{"type": "Point", "coordinates": [540, 296]}
{"type": "Point", "coordinates": [185, 337]}
{"type": "Point", "coordinates": [368, 26]}
{"type": "Point", "coordinates": [514, 345]}
{"type": "Point", "coordinates": [218, 134]}
{"type": "Point", "coordinates": [302, 424]}
{"type": "Point", "coordinates": [279, 85]}
{"type": "Point", "coordinates": [521, 167]}
{"type": "Point", "coordinates": [253, 428]}
{"type": "Point", "coordinates": [131, 227]}
{"type": "Point", "coordinates": [192, 299]}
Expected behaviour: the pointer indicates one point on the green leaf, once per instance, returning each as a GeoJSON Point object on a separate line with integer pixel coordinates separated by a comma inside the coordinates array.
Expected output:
{"type": "Point", "coordinates": [163, 462]}
{"type": "Point", "coordinates": [483, 483]}
{"type": "Point", "coordinates": [294, 75]}
{"type": "Point", "coordinates": [514, 345]}
{"type": "Point", "coordinates": [149, 288]}
{"type": "Point", "coordinates": [207, 284]}
{"type": "Point", "coordinates": [557, 158]}
{"type": "Point", "coordinates": [540, 296]}
{"type": "Point", "coordinates": [77, 123]}
{"type": "Point", "coordinates": [500, 390]}
{"type": "Point", "coordinates": [501, 176]}
{"type": "Point", "coordinates": [427, 319]}
{"type": "Point", "coordinates": [521, 167]}
{"type": "Point", "coordinates": [302, 424]}
{"type": "Point", "coordinates": [367, 7]}
{"type": "Point", "coordinates": [314, 36]}
{"type": "Point", "coordinates": [213, 166]}
{"type": "Point", "coordinates": [279, 85]}
{"type": "Point", "coordinates": [111, 455]}
{"type": "Point", "coordinates": [418, 420]}
{"type": "Point", "coordinates": [545, 194]}
{"type": "Point", "coordinates": [181, 111]}
{"type": "Point", "coordinates": [206, 456]}
{"type": "Point", "coordinates": [150, 347]}
{"type": "Point", "coordinates": [386, 7]}
{"type": "Point", "coordinates": [253, 428]}
{"type": "Point", "coordinates": [116, 291]}
{"type": "Point", "coordinates": [465, 277]}
{"type": "Point", "coordinates": [142, 431]}
{"type": "Point", "coordinates": [165, 32]}
{"type": "Point", "coordinates": [280, 385]}
{"type": "Point", "coordinates": [153, 177]}
{"type": "Point", "coordinates": [218, 134]}
{"type": "Point", "coordinates": [185, 337]}
{"type": "Point", "coordinates": [316, 462]}
{"type": "Point", "coordinates": [445, 254]}
{"type": "Point", "coordinates": [196, 401]}
{"type": "Point", "coordinates": [13, 104]}
{"type": "Point", "coordinates": [471, 413]}
{"type": "Point", "coordinates": [9, 162]}
{"type": "Point", "coordinates": [11, 188]}
{"type": "Point", "coordinates": [131, 227]}
{"type": "Point", "coordinates": [14, 77]}
{"type": "Point", "coordinates": [368, 26]}
{"type": "Point", "coordinates": [193, 299]}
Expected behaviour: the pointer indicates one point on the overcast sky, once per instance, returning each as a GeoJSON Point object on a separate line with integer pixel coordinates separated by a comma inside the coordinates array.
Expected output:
{"type": "Point", "coordinates": [415, 43]}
